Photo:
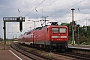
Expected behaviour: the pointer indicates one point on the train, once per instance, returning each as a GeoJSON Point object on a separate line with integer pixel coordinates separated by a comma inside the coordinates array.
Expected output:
{"type": "Point", "coordinates": [48, 37]}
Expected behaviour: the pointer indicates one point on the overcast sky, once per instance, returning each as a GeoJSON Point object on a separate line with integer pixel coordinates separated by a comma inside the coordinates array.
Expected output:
{"type": "Point", "coordinates": [56, 10]}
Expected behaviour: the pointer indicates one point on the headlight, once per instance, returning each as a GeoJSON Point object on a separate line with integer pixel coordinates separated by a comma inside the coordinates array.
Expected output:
{"type": "Point", "coordinates": [59, 36]}
{"type": "Point", "coordinates": [54, 36]}
{"type": "Point", "coordinates": [63, 36]}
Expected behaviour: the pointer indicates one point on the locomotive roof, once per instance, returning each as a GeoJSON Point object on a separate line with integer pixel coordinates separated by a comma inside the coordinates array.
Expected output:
{"type": "Point", "coordinates": [39, 28]}
{"type": "Point", "coordinates": [56, 26]}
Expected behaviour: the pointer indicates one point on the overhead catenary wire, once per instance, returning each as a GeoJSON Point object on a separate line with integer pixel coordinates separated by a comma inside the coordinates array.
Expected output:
{"type": "Point", "coordinates": [63, 9]}
{"type": "Point", "coordinates": [66, 8]}
{"type": "Point", "coordinates": [52, 3]}
{"type": "Point", "coordinates": [45, 6]}
{"type": "Point", "coordinates": [35, 8]}
{"type": "Point", "coordinates": [55, 12]}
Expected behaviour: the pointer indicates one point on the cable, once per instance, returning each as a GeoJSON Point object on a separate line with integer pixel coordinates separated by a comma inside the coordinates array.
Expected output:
{"type": "Point", "coordinates": [41, 3]}
{"type": "Point", "coordinates": [52, 3]}
{"type": "Point", "coordinates": [67, 7]}
{"type": "Point", "coordinates": [35, 8]}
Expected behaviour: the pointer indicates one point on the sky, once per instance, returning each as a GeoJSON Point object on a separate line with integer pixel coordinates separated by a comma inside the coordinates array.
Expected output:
{"type": "Point", "coordinates": [33, 10]}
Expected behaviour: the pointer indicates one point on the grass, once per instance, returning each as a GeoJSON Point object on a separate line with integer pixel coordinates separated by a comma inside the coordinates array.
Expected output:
{"type": "Point", "coordinates": [7, 43]}
{"type": "Point", "coordinates": [49, 55]}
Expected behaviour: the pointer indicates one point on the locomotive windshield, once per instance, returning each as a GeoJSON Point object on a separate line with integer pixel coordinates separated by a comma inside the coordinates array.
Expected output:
{"type": "Point", "coordinates": [62, 30]}
{"type": "Point", "coordinates": [58, 30]}
{"type": "Point", "coordinates": [54, 30]}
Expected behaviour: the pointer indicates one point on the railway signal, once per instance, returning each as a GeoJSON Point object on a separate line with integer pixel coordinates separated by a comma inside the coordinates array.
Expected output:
{"type": "Point", "coordinates": [20, 20]}
{"type": "Point", "coordinates": [20, 25]}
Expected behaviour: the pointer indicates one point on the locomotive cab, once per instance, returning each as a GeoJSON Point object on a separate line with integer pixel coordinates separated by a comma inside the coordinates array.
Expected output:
{"type": "Point", "coordinates": [59, 37]}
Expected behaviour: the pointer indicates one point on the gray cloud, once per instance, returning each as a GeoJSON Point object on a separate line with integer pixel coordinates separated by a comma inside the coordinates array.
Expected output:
{"type": "Point", "coordinates": [57, 10]}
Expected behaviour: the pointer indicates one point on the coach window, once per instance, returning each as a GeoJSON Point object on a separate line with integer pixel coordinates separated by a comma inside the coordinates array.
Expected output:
{"type": "Point", "coordinates": [54, 30]}
{"type": "Point", "coordinates": [62, 30]}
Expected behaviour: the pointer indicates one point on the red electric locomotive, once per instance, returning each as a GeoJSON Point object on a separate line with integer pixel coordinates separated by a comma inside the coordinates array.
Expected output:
{"type": "Point", "coordinates": [50, 37]}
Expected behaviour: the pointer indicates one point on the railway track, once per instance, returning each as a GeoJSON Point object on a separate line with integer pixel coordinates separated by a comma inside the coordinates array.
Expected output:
{"type": "Point", "coordinates": [20, 49]}
{"type": "Point", "coordinates": [75, 56]}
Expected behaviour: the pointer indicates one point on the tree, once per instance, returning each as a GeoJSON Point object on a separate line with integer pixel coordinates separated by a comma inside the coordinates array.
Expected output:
{"type": "Point", "coordinates": [84, 33]}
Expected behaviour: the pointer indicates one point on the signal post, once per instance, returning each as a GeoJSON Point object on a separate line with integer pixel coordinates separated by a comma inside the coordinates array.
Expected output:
{"type": "Point", "coordinates": [73, 26]}
{"type": "Point", "coordinates": [12, 19]}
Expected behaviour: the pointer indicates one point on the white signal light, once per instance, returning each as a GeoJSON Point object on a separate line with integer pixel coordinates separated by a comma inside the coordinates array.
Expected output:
{"type": "Point", "coordinates": [54, 36]}
{"type": "Point", "coordinates": [63, 36]}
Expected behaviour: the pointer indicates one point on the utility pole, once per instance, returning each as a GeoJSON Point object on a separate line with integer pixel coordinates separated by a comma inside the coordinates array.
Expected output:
{"type": "Point", "coordinates": [34, 22]}
{"type": "Point", "coordinates": [44, 21]}
{"type": "Point", "coordinates": [86, 24]}
{"type": "Point", "coordinates": [73, 41]}
{"type": "Point", "coordinates": [30, 28]}
{"type": "Point", "coordinates": [78, 34]}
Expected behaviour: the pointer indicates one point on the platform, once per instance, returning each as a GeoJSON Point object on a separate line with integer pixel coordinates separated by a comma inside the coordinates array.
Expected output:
{"type": "Point", "coordinates": [80, 46]}
{"type": "Point", "coordinates": [11, 54]}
